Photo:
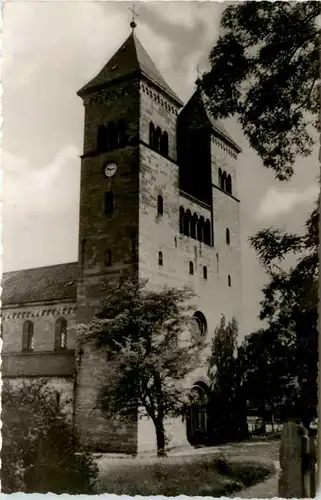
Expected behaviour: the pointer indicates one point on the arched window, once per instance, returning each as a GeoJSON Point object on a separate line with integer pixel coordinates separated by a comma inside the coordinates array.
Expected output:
{"type": "Point", "coordinates": [102, 139]}
{"type": "Point", "coordinates": [156, 139]}
{"type": "Point", "coordinates": [187, 223]}
{"type": "Point", "coordinates": [199, 395]}
{"type": "Point", "coordinates": [160, 258]}
{"type": "Point", "coordinates": [229, 282]}
{"type": "Point", "coordinates": [201, 322]}
{"type": "Point", "coordinates": [28, 336]}
{"type": "Point", "coordinates": [194, 220]}
{"type": "Point", "coordinates": [121, 133]}
{"type": "Point", "coordinates": [113, 135]}
{"type": "Point", "coordinates": [207, 232]}
{"type": "Point", "coordinates": [228, 236]}
{"type": "Point", "coordinates": [160, 205]}
{"type": "Point", "coordinates": [151, 134]}
{"type": "Point", "coordinates": [198, 415]}
{"type": "Point", "coordinates": [229, 184]}
{"type": "Point", "coordinates": [191, 267]}
{"type": "Point", "coordinates": [164, 144]}
{"type": "Point", "coordinates": [200, 229]}
{"type": "Point", "coordinates": [205, 272]}
{"type": "Point", "coordinates": [223, 181]}
{"type": "Point", "coordinates": [181, 219]}
{"type": "Point", "coordinates": [61, 334]}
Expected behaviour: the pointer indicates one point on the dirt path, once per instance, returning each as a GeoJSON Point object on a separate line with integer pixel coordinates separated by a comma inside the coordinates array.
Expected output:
{"type": "Point", "coordinates": [266, 489]}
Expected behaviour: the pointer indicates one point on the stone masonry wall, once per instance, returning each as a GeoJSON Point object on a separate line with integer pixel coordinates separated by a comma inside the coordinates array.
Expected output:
{"type": "Point", "coordinates": [44, 318]}
{"type": "Point", "coordinates": [98, 233]}
{"type": "Point", "coordinates": [156, 108]}
{"type": "Point", "coordinates": [226, 212]}
{"type": "Point", "coordinates": [157, 233]}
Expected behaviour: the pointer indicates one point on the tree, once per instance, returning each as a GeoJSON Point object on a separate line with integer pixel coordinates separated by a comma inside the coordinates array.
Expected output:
{"type": "Point", "coordinates": [289, 304]}
{"type": "Point", "coordinates": [38, 445]}
{"type": "Point", "coordinates": [144, 335]}
{"type": "Point", "coordinates": [264, 70]}
{"type": "Point", "coordinates": [268, 369]}
{"type": "Point", "coordinates": [226, 389]}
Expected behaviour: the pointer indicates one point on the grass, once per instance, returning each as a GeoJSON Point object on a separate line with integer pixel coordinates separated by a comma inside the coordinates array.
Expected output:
{"type": "Point", "coordinates": [193, 476]}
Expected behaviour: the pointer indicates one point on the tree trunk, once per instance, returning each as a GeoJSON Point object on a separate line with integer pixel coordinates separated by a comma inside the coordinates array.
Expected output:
{"type": "Point", "coordinates": [160, 438]}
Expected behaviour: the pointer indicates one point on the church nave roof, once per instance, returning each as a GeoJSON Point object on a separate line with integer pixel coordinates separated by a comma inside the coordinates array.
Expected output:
{"type": "Point", "coordinates": [40, 284]}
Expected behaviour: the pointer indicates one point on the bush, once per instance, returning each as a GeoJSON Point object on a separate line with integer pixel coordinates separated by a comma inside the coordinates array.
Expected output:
{"type": "Point", "coordinates": [38, 445]}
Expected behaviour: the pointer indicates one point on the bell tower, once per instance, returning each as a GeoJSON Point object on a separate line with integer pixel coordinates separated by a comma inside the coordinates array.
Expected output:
{"type": "Point", "coordinates": [108, 225]}
{"type": "Point", "coordinates": [110, 205]}
{"type": "Point", "coordinates": [109, 178]}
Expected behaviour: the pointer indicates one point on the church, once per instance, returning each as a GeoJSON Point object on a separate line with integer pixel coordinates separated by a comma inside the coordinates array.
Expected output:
{"type": "Point", "coordinates": [158, 200]}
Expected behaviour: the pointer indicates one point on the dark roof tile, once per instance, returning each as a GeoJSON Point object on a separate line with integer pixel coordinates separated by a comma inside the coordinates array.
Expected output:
{"type": "Point", "coordinates": [40, 284]}
{"type": "Point", "coordinates": [130, 58]}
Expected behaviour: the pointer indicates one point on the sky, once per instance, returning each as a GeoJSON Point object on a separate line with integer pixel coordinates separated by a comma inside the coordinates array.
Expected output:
{"type": "Point", "coordinates": [50, 50]}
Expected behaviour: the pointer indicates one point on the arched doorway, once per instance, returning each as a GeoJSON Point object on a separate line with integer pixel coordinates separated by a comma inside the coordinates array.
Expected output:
{"type": "Point", "coordinates": [198, 415]}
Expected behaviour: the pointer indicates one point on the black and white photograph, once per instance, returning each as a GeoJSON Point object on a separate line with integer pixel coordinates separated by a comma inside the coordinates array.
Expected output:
{"type": "Point", "coordinates": [160, 238]}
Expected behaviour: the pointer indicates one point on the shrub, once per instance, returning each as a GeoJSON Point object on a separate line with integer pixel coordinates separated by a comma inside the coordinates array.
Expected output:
{"type": "Point", "coordinates": [38, 445]}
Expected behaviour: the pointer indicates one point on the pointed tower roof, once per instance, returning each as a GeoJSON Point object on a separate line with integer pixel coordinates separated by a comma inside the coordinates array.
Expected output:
{"type": "Point", "coordinates": [130, 58]}
{"type": "Point", "coordinates": [203, 117]}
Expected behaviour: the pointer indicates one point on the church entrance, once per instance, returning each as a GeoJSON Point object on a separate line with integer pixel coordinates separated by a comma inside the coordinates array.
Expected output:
{"type": "Point", "coordinates": [198, 415]}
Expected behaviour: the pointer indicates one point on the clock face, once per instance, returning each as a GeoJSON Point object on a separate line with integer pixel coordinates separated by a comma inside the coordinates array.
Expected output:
{"type": "Point", "coordinates": [110, 169]}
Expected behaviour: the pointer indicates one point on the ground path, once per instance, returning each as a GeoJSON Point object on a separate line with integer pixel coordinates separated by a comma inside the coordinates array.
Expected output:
{"type": "Point", "coordinates": [264, 451]}
{"type": "Point", "coordinates": [266, 489]}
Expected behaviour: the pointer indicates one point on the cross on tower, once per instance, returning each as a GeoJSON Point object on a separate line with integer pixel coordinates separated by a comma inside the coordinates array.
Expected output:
{"type": "Point", "coordinates": [133, 11]}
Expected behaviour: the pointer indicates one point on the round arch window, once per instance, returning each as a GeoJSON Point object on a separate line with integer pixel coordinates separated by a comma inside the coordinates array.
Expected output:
{"type": "Point", "coordinates": [201, 323]}
{"type": "Point", "coordinates": [198, 394]}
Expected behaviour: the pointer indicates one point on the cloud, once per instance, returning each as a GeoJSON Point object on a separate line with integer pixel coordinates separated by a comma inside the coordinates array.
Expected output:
{"type": "Point", "coordinates": [278, 202]}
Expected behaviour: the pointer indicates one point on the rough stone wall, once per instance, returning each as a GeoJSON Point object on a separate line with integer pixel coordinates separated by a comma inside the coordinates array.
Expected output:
{"type": "Point", "coordinates": [99, 232]}
{"type": "Point", "coordinates": [161, 233]}
{"type": "Point", "coordinates": [44, 318]}
{"type": "Point", "coordinates": [156, 108]}
{"type": "Point", "coordinates": [157, 233]}
{"type": "Point", "coordinates": [96, 432]}
{"type": "Point", "coordinates": [226, 212]}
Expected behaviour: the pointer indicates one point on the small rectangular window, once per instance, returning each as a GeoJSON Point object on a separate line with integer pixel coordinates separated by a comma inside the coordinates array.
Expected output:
{"type": "Point", "coordinates": [205, 272]}
{"type": "Point", "coordinates": [109, 202]}
{"type": "Point", "coordinates": [108, 258]}
{"type": "Point", "coordinates": [160, 205]}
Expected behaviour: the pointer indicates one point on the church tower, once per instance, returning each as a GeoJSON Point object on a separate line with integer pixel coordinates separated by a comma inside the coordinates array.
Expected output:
{"type": "Point", "coordinates": [129, 110]}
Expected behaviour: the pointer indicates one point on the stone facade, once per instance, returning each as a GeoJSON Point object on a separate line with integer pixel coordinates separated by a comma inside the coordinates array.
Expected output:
{"type": "Point", "coordinates": [162, 214]}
